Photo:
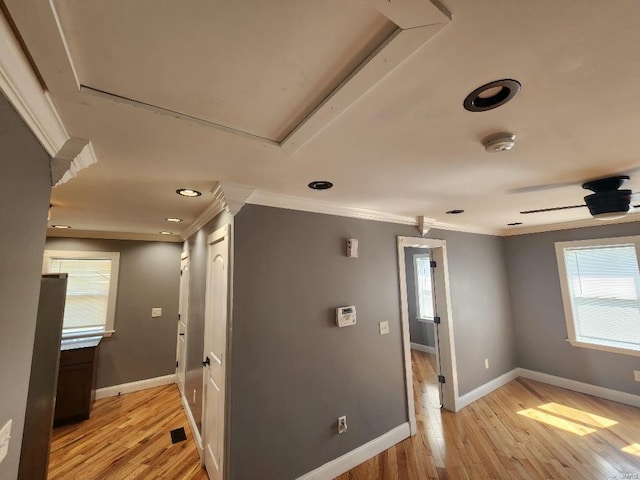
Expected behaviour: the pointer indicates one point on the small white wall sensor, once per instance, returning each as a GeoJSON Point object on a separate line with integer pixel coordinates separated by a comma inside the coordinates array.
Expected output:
{"type": "Point", "coordinates": [346, 316]}
{"type": "Point", "coordinates": [352, 248]}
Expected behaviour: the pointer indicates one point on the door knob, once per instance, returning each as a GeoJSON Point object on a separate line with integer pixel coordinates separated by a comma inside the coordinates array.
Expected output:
{"type": "Point", "coordinates": [206, 362]}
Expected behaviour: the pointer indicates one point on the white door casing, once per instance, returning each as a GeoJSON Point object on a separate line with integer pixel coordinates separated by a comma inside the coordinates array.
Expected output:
{"type": "Point", "coordinates": [215, 351]}
{"type": "Point", "coordinates": [183, 320]}
{"type": "Point", "coordinates": [447, 356]}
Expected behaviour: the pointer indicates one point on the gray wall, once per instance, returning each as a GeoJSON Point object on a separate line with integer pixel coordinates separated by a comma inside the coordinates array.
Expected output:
{"type": "Point", "coordinates": [481, 308]}
{"type": "Point", "coordinates": [142, 347]}
{"type": "Point", "coordinates": [538, 312]}
{"type": "Point", "coordinates": [24, 201]}
{"type": "Point", "coordinates": [293, 370]}
{"type": "Point", "coordinates": [419, 332]}
{"type": "Point", "coordinates": [197, 245]}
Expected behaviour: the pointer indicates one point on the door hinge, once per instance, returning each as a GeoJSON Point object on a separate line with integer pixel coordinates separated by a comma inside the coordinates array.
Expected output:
{"type": "Point", "coordinates": [436, 320]}
{"type": "Point", "coordinates": [176, 364]}
{"type": "Point", "coordinates": [178, 316]}
{"type": "Point", "coordinates": [441, 379]}
{"type": "Point", "coordinates": [433, 264]}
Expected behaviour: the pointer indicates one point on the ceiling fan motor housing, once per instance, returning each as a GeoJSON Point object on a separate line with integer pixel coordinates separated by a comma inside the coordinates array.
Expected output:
{"type": "Point", "coordinates": [612, 201]}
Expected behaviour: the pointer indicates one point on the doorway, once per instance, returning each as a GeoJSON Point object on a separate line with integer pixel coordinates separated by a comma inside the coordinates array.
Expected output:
{"type": "Point", "coordinates": [183, 321]}
{"type": "Point", "coordinates": [423, 321]}
{"type": "Point", "coordinates": [215, 351]}
{"type": "Point", "coordinates": [429, 261]}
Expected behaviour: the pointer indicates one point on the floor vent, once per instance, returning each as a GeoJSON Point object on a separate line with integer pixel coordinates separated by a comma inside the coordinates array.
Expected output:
{"type": "Point", "coordinates": [178, 435]}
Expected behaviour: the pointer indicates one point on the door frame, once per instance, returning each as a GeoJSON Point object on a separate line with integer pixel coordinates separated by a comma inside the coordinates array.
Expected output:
{"type": "Point", "coordinates": [222, 232]}
{"type": "Point", "coordinates": [185, 260]}
{"type": "Point", "coordinates": [445, 334]}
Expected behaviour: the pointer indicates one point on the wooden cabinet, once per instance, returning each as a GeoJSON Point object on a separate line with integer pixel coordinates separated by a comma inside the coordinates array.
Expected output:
{"type": "Point", "coordinates": [76, 382]}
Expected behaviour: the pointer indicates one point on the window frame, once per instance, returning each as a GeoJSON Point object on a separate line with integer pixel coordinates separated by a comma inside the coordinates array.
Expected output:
{"type": "Point", "coordinates": [566, 291]}
{"type": "Point", "coordinates": [419, 317]}
{"type": "Point", "coordinates": [114, 257]}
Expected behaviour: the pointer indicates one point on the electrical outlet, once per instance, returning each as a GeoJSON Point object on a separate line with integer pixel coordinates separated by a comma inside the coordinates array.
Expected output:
{"type": "Point", "coordinates": [5, 436]}
{"type": "Point", "coordinates": [156, 312]}
{"type": "Point", "coordinates": [384, 327]}
{"type": "Point", "coordinates": [636, 375]}
{"type": "Point", "coordinates": [342, 424]}
{"type": "Point", "coordinates": [486, 363]}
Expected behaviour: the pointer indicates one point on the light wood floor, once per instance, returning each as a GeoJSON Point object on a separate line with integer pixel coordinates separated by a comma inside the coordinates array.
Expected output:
{"type": "Point", "coordinates": [501, 436]}
{"type": "Point", "coordinates": [504, 436]}
{"type": "Point", "coordinates": [127, 438]}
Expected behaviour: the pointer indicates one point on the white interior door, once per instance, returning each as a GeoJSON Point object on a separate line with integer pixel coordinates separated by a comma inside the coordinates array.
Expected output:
{"type": "Point", "coordinates": [215, 350]}
{"type": "Point", "coordinates": [183, 319]}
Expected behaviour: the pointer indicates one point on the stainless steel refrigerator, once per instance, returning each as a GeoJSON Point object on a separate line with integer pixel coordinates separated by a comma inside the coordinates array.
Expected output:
{"type": "Point", "coordinates": [34, 456]}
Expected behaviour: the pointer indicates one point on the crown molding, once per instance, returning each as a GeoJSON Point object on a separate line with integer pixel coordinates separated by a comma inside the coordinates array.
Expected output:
{"type": "Point", "coordinates": [235, 196]}
{"type": "Point", "coordinates": [590, 222]}
{"type": "Point", "coordinates": [85, 158]}
{"type": "Point", "coordinates": [145, 237]}
{"type": "Point", "coordinates": [288, 202]}
{"type": "Point", "coordinates": [22, 88]}
{"type": "Point", "coordinates": [454, 227]}
{"type": "Point", "coordinates": [216, 206]}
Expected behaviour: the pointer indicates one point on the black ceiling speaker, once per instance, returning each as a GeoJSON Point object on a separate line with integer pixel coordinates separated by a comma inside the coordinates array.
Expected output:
{"type": "Point", "coordinates": [607, 201]}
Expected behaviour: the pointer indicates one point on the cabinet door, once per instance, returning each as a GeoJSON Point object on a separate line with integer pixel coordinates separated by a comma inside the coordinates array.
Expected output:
{"type": "Point", "coordinates": [74, 392]}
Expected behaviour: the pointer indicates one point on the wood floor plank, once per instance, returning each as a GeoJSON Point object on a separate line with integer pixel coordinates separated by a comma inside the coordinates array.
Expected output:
{"type": "Point", "coordinates": [503, 436]}
{"type": "Point", "coordinates": [127, 438]}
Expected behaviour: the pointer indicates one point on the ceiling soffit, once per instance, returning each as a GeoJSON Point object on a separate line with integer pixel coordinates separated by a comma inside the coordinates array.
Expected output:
{"type": "Point", "coordinates": [379, 37]}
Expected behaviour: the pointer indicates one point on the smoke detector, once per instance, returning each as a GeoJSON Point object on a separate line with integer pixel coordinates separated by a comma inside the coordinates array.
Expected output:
{"type": "Point", "coordinates": [499, 142]}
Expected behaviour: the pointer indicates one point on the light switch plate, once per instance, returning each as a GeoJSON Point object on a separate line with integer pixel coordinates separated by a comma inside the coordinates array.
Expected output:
{"type": "Point", "coordinates": [156, 312]}
{"type": "Point", "coordinates": [384, 327]}
{"type": "Point", "coordinates": [5, 435]}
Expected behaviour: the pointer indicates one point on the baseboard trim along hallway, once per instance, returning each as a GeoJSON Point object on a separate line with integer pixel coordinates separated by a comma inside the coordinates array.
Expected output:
{"type": "Point", "coordinates": [116, 390]}
{"type": "Point", "coordinates": [361, 454]}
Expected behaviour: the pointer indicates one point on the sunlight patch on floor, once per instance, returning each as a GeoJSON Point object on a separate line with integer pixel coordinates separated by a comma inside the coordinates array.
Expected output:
{"type": "Point", "coordinates": [633, 449]}
{"type": "Point", "coordinates": [557, 422]}
{"type": "Point", "coordinates": [578, 415]}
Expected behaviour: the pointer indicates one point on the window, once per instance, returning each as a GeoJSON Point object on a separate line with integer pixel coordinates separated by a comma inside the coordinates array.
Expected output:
{"type": "Point", "coordinates": [91, 290]}
{"type": "Point", "coordinates": [600, 285]}
{"type": "Point", "coordinates": [424, 293]}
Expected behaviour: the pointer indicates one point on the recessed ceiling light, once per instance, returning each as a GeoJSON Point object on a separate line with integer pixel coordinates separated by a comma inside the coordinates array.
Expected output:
{"type": "Point", "coordinates": [455, 212]}
{"type": "Point", "coordinates": [173, 219]}
{"type": "Point", "coordinates": [166, 233]}
{"type": "Point", "coordinates": [320, 185]}
{"type": "Point", "coordinates": [188, 192]}
{"type": "Point", "coordinates": [60, 226]}
{"type": "Point", "coordinates": [492, 95]}
{"type": "Point", "coordinates": [513, 224]}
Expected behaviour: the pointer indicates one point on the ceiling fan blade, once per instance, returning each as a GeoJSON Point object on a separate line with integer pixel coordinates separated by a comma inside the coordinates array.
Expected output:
{"type": "Point", "coordinates": [553, 209]}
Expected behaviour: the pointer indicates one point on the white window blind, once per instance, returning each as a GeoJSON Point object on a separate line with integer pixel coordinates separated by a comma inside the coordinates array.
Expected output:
{"type": "Point", "coordinates": [603, 286]}
{"type": "Point", "coordinates": [424, 291]}
{"type": "Point", "coordinates": [91, 289]}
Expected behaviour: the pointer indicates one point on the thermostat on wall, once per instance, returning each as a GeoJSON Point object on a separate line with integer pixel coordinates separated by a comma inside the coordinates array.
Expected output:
{"type": "Point", "coordinates": [346, 316]}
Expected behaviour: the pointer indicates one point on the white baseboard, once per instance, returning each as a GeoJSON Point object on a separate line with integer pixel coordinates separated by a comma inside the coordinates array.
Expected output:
{"type": "Point", "coordinates": [361, 454]}
{"type": "Point", "coordinates": [194, 427]}
{"type": "Point", "coordinates": [477, 393]}
{"type": "Point", "coordinates": [589, 389]}
{"type": "Point", "coordinates": [423, 348]}
{"type": "Point", "coordinates": [115, 390]}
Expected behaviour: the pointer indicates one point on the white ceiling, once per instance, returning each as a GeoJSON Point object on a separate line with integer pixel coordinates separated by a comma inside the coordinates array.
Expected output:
{"type": "Point", "coordinates": [404, 147]}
